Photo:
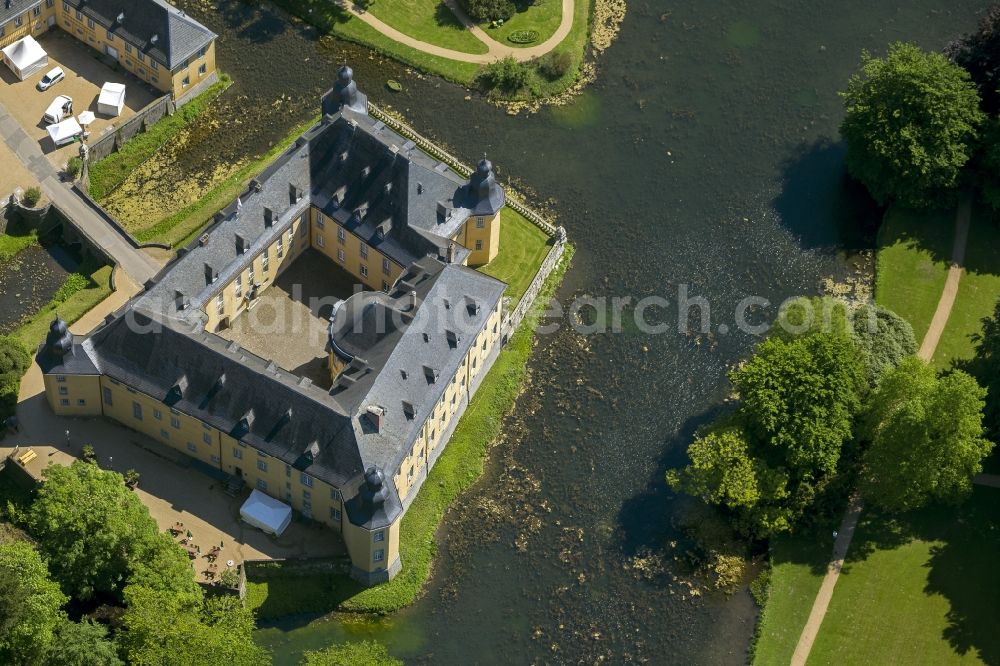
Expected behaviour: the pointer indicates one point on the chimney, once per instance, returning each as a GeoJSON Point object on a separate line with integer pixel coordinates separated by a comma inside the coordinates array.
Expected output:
{"type": "Point", "coordinates": [203, 241]}
{"type": "Point", "coordinates": [451, 252]}
{"type": "Point", "coordinates": [268, 217]}
{"type": "Point", "coordinates": [376, 415]}
{"type": "Point", "coordinates": [413, 299]}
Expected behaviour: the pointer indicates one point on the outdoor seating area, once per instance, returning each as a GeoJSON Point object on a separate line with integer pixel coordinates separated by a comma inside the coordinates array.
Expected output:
{"type": "Point", "coordinates": [208, 570]}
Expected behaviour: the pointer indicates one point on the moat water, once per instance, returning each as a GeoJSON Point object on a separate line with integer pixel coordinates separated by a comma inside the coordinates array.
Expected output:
{"type": "Point", "coordinates": [704, 155]}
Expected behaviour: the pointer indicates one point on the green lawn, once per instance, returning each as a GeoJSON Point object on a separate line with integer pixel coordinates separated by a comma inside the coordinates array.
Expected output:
{"type": "Point", "coordinates": [977, 291]}
{"type": "Point", "coordinates": [81, 292]}
{"type": "Point", "coordinates": [543, 16]}
{"type": "Point", "coordinates": [798, 564]}
{"type": "Point", "coordinates": [924, 589]}
{"type": "Point", "coordinates": [109, 173]}
{"type": "Point", "coordinates": [429, 21]}
{"type": "Point", "coordinates": [10, 245]}
{"type": "Point", "coordinates": [522, 248]}
{"type": "Point", "coordinates": [912, 265]}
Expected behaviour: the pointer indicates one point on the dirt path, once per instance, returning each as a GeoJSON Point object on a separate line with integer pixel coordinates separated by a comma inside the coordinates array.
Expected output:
{"type": "Point", "coordinates": [818, 612]}
{"type": "Point", "coordinates": [927, 348]}
{"type": "Point", "coordinates": [947, 300]}
{"type": "Point", "coordinates": [496, 49]}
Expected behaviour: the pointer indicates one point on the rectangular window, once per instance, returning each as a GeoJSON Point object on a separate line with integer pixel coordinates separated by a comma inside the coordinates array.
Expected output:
{"type": "Point", "coordinates": [79, 15]}
{"type": "Point", "coordinates": [153, 64]}
{"type": "Point", "coordinates": [385, 266]}
{"type": "Point", "coordinates": [107, 396]}
{"type": "Point", "coordinates": [185, 82]}
{"type": "Point", "coordinates": [380, 535]}
{"type": "Point", "coordinates": [157, 414]}
{"type": "Point", "coordinates": [220, 303]}
{"type": "Point", "coordinates": [320, 224]}
{"type": "Point", "coordinates": [385, 286]}
{"type": "Point", "coordinates": [140, 55]}
{"type": "Point", "coordinates": [206, 437]}
{"type": "Point", "coordinates": [111, 36]}
{"type": "Point", "coordinates": [281, 248]}
{"type": "Point", "coordinates": [334, 494]}
{"type": "Point", "coordinates": [202, 51]}
{"type": "Point", "coordinates": [128, 48]}
{"type": "Point", "coordinates": [341, 234]}
{"type": "Point", "coordinates": [262, 465]}
{"type": "Point", "coordinates": [61, 379]}
{"type": "Point", "coordinates": [81, 403]}
{"type": "Point", "coordinates": [18, 21]}
{"type": "Point", "coordinates": [66, 7]}
{"type": "Point", "coordinates": [364, 271]}
{"type": "Point", "coordinates": [307, 508]}
{"type": "Point", "coordinates": [63, 390]}
{"type": "Point", "coordinates": [379, 555]}
{"type": "Point", "coordinates": [262, 485]}
{"type": "Point", "coordinates": [291, 235]}
{"type": "Point", "coordinates": [192, 447]}
{"type": "Point", "coordinates": [265, 262]}
{"type": "Point", "coordinates": [320, 241]}
{"type": "Point", "coordinates": [237, 453]}
{"type": "Point", "coordinates": [64, 402]}
{"type": "Point", "coordinates": [175, 422]}
{"type": "Point", "coordinates": [479, 245]}
{"type": "Point", "coordinates": [36, 11]}
{"type": "Point", "coordinates": [288, 472]}
{"type": "Point", "coordinates": [480, 223]}
{"type": "Point", "coordinates": [215, 459]}
{"type": "Point", "coordinates": [334, 514]}
{"type": "Point", "coordinates": [164, 434]}
{"type": "Point", "coordinates": [137, 411]}
{"type": "Point", "coordinates": [90, 23]}
{"type": "Point", "coordinates": [305, 480]}
{"type": "Point", "coordinates": [340, 255]}
{"type": "Point", "coordinates": [50, 3]}
{"type": "Point", "coordinates": [239, 286]}
{"type": "Point", "coordinates": [364, 250]}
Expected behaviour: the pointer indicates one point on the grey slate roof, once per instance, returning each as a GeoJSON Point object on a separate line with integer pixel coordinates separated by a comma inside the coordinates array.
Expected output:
{"type": "Point", "coordinates": [15, 8]}
{"type": "Point", "coordinates": [375, 183]}
{"type": "Point", "coordinates": [177, 35]}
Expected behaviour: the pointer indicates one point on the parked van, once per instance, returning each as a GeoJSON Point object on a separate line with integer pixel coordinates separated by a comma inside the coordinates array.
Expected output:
{"type": "Point", "coordinates": [60, 109]}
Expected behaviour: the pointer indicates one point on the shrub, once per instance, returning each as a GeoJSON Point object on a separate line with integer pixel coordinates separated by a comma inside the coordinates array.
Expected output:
{"type": "Point", "coordinates": [14, 362]}
{"type": "Point", "coordinates": [489, 10]}
{"type": "Point", "coordinates": [73, 167]}
{"type": "Point", "coordinates": [523, 36]}
{"type": "Point", "coordinates": [506, 74]}
{"type": "Point", "coordinates": [555, 64]}
{"type": "Point", "coordinates": [31, 196]}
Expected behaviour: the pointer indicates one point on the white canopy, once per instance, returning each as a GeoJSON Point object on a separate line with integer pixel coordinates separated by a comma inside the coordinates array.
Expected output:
{"type": "Point", "coordinates": [25, 57]}
{"type": "Point", "coordinates": [64, 131]}
{"type": "Point", "coordinates": [112, 99]}
{"type": "Point", "coordinates": [265, 512]}
{"type": "Point", "coordinates": [86, 117]}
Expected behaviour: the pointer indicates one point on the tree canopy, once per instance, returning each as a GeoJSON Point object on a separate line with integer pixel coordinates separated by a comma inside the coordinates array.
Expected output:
{"type": "Point", "coordinates": [83, 643]}
{"type": "Point", "coordinates": [926, 437]}
{"type": "Point", "coordinates": [767, 463]}
{"type": "Point", "coordinates": [979, 54]}
{"type": "Point", "coordinates": [30, 605]}
{"type": "Point", "coordinates": [91, 529]}
{"type": "Point", "coordinates": [911, 125]}
{"type": "Point", "coordinates": [14, 362]}
{"type": "Point", "coordinates": [985, 367]}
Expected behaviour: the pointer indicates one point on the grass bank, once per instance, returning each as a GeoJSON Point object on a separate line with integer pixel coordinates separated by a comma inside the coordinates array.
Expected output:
{"type": "Point", "coordinates": [429, 21]}
{"type": "Point", "coordinates": [10, 245]}
{"type": "Point", "coordinates": [81, 291]}
{"type": "Point", "coordinates": [523, 246]}
{"type": "Point", "coordinates": [914, 248]}
{"type": "Point", "coordinates": [179, 228]}
{"type": "Point", "coordinates": [459, 466]}
{"type": "Point", "coordinates": [112, 171]}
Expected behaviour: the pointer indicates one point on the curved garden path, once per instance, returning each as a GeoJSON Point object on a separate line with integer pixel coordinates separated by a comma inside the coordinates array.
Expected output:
{"type": "Point", "coordinates": [928, 346]}
{"type": "Point", "coordinates": [496, 49]}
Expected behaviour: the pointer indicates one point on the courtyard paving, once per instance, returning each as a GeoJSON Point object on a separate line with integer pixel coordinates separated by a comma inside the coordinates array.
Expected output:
{"type": "Point", "coordinates": [85, 74]}
{"type": "Point", "coordinates": [169, 486]}
{"type": "Point", "coordinates": [288, 324]}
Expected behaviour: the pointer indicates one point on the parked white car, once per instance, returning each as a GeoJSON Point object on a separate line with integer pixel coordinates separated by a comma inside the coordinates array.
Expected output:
{"type": "Point", "coordinates": [60, 109]}
{"type": "Point", "coordinates": [54, 76]}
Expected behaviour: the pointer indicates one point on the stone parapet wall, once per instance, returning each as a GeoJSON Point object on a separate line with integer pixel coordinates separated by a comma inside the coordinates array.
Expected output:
{"type": "Point", "coordinates": [145, 118]}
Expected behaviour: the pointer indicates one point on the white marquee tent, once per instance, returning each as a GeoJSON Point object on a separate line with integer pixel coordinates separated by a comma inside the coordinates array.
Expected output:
{"type": "Point", "coordinates": [25, 57]}
{"type": "Point", "coordinates": [111, 99]}
{"type": "Point", "coordinates": [64, 132]}
{"type": "Point", "coordinates": [265, 512]}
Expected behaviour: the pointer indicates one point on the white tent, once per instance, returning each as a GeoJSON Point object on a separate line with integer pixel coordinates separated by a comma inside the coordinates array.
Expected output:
{"type": "Point", "coordinates": [64, 132]}
{"type": "Point", "coordinates": [112, 99]}
{"type": "Point", "coordinates": [266, 513]}
{"type": "Point", "coordinates": [25, 57]}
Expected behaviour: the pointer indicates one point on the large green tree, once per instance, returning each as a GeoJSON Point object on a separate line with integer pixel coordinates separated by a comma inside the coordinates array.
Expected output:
{"type": "Point", "coordinates": [14, 361]}
{"type": "Point", "coordinates": [90, 528]}
{"type": "Point", "coordinates": [369, 653]}
{"type": "Point", "coordinates": [926, 437]}
{"type": "Point", "coordinates": [83, 643]}
{"type": "Point", "coordinates": [30, 605]}
{"type": "Point", "coordinates": [979, 54]}
{"type": "Point", "coordinates": [985, 367]}
{"type": "Point", "coordinates": [169, 630]}
{"type": "Point", "coordinates": [799, 395]}
{"type": "Point", "coordinates": [911, 125]}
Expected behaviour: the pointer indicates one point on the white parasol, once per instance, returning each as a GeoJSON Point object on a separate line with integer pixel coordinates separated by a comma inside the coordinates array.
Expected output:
{"type": "Point", "coordinates": [86, 117]}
